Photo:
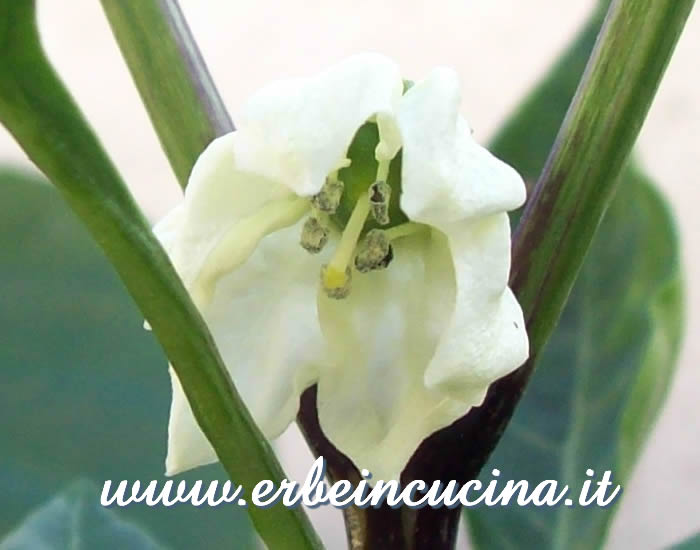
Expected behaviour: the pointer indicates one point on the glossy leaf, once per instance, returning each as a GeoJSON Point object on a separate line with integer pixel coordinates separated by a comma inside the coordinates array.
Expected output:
{"type": "Point", "coordinates": [85, 390]}
{"type": "Point", "coordinates": [74, 519]}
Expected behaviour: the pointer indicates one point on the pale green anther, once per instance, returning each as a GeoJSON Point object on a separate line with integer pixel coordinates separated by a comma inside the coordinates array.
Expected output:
{"type": "Point", "coordinates": [379, 195]}
{"type": "Point", "coordinates": [337, 285]}
{"type": "Point", "coordinates": [373, 252]}
{"type": "Point", "coordinates": [328, 199]}
{"type": "Point", "coordinates": [314, 235]}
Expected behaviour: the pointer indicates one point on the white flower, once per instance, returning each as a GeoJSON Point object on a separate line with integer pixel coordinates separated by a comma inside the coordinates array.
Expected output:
{"type": "Point", "coordinates": [399, 350]}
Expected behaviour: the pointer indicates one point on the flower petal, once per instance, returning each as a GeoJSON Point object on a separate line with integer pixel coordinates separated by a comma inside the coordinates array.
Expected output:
{"type": "Point", "coordinates": [446, 175]}
{"type": "Point", "coordinates": [264, 321]}
{"type": "Point", "coordinates": [485, 338]}
{"type": "Point", "coordinates": [218, 197]}
{"type": "Point", "coordinates": [187, 445]}
{"type": "Point", "coordinates": [298, 130]}
{"type": "Point", "coordinates": [372, 401]}
{"type": "Point", "coordinates": [168, 228]}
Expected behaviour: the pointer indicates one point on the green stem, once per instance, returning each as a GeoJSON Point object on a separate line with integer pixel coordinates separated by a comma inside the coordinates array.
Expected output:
{"type": "Point", "coordinates": [559, 222]}
{"type": "Point", "coordinates": [184, 105]}
{"type": "Point", "coordinates": [37, 109]}
{"type": "Point", "coordinates": [596, 137]}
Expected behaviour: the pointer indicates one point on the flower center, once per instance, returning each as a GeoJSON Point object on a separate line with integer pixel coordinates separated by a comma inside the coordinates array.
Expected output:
{"type": "Point", "coordinates": [363, 170]}
{"type": "Point", "coordinates": [361, 199]}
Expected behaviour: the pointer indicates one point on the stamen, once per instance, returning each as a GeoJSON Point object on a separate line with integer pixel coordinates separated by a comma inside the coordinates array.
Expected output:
{"type": "Point", "coordinates": [335, 276]}
{"type": "Point", "coordinates": [236, 246]}
{"type": "Point", "coordinates": [328, 199]}
{"type": "Point", "coordinates": [404, 230]}
{"type": "Point", "coordinates": [379, 195]}
{"type": "Point", "coordinates": [342, 163]}
{"type": "Point", "coordinates": [314, 235]}
{"type": "Point", "coordinates": [383, 169]}
{"type": "Point", "coordinates": [373, 252]}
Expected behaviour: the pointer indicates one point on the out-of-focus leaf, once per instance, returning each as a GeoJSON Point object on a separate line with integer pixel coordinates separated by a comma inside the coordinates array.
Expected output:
{"type": "Point", "coordinates": [85, 390]}
{"type": "Point", "coordinates": [74, 519]}
{"type": "Point", "coordinates": [693, 543]}
{"type": "Point", "coordinates": [603, 376]}
{"type": "Point", "coordinates": [601, 380]}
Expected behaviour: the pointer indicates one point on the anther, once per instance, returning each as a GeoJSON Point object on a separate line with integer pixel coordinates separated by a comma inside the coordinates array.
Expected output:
{"type": "Point", "coordinates": [336, 284]}
{"type": "Point", "coordinates": [314, 235]}
{"type": "Point", "coordinates": [379, 195]}
{"type": "Point", "coordinates": [374, 252]}
{"type": "Point", "coordinates": [328, 199]}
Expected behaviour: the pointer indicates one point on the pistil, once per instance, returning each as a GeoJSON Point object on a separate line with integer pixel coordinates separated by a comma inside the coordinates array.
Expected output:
{"type": "Point", "coordinates": [335, 276]}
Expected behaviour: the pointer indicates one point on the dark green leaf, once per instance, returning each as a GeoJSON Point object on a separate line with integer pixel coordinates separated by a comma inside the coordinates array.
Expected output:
{"type": "Point", "coordinates": [85, 389]}
{"type": "Point", "coordinates": [74, 519]}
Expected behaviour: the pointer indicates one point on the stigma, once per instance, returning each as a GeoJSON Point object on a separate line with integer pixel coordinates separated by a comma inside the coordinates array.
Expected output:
{"type": "Point", "coordinates": [336, 275]}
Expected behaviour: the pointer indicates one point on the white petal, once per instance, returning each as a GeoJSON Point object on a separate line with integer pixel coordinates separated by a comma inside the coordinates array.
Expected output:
{"type": "Point", "coordinates": [219, 196]}
{"type": "Point", "coordinates": [372, 400]}
{"type": "Point", "coordinates": [446, 175]}
{"type": "Point", "coordinates": [187, 445]}
{"type": "Point", "coordinates": [485, 338]}
{"type": "Point", "coordinates": [264, 321]}
{"type": "Point", "coordinates": [168, 228]}
{"type": "Point", "coordinates": [296, 131]}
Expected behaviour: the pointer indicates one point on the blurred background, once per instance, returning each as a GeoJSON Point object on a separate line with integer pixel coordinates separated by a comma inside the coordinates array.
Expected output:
{"type": "Point", "coordinates": [500, 48]}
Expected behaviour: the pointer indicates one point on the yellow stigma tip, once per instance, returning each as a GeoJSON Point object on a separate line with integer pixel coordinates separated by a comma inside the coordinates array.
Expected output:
{"type": "Point", "coordinates": [333, 278]}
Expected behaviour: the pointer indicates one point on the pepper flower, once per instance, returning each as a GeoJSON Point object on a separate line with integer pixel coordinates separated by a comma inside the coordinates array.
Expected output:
{"type": "Point", "coordinates": [351, 234]}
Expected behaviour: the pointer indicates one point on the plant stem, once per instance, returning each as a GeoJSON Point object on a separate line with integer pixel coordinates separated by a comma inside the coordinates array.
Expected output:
{"type": "Point", "coordinates": [184, 106]}
{"type": "Point", "coordinates": [42, 116]}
